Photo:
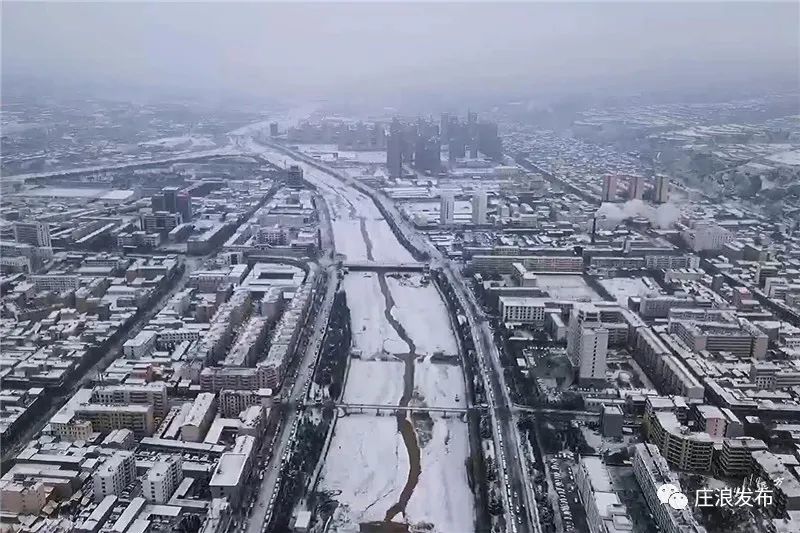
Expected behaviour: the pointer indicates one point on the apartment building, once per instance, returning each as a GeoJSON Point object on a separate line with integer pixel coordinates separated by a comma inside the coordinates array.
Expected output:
{"type": "Point", "coordinates": [233, 402]}
{"type": "Point", "coordinates": [522, 310]}
{"type": "Point", "coordinates": [104, 418]}
{"type": "Point", "coordinates": [56, 282]}
{"type": "Point", "coordinates": [162, 479]}
{"type": "Point", "coordinates": [739, 338]}
{"type": "Point", "coordinates": [503, 264]}
{"type": "Point", "coordinates": [734, 457]}
{"type": "Point", "coordinates": [652, 471]}
{"type": "Point", "coordinates": [114, 475]}
{"type": "Point", "coordinates": [786, 493]}
{"type": "Point", "coordinates": [587, 342]}
{"type": "Point", "coordinates": [604, 511]}
{"type": "Point", "coordinates": [683, 448]}
{"type": "Point", "coordinates": [199, 417]}
{"type": "Point", "coordinates": [154, 394]}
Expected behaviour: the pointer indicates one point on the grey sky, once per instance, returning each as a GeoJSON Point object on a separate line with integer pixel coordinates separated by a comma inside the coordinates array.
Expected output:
{"type": "Point", "coordinates": [333, 48]}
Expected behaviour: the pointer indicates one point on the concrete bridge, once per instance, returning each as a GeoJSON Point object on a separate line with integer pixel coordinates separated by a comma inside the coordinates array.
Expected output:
{"type": "Point", "coordinates": [587, 416]}
{"type": "Point", "coordinates": [365, 408]}
{"type": "Point", "coordinates": [376, 266]}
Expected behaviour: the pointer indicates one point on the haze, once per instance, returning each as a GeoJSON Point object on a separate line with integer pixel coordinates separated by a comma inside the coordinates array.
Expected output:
{"type": "Point", "coordinates": [331, 49]}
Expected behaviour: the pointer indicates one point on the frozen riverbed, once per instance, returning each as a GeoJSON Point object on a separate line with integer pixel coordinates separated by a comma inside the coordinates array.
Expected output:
{"type": "Point", "coordinates": [365, 469]}
{"type": "Point", "coordinates": [373, 336]}
{"type": "Point", "coordinates": [420, 309]}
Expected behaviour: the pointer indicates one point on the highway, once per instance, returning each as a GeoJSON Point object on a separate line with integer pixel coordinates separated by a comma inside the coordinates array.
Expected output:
{"type": "Point", "coordinates": [519, 500]}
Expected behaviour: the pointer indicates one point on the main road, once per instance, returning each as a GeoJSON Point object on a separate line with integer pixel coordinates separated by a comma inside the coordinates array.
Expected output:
{"type": "Point", "coordinates": [519, 500]}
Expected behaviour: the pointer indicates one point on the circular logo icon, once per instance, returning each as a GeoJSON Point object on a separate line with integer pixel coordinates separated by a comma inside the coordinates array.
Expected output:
{"type": "Point", "coordinates": [665, 491]}
{"type": "Point", "coordinates": [678, 501]}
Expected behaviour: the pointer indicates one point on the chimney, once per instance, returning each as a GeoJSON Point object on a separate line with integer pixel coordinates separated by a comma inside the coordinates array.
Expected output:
{"type": "Point", "coordinates": [594, 229]}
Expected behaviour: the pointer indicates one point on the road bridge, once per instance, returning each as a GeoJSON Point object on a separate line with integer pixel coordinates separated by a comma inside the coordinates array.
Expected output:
{"type": "Point", "coordinates": [384, 267]}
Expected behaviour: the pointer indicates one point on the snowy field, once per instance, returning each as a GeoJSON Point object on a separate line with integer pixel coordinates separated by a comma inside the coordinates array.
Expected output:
{"type": "Point", "coordinates": [348, 240]}
{"type": "Point", "coordinates": [622, 288]}
{"type": "Point", "coordinates": [374, 382]}
{"type": "Point", "coordinates": [372, 333]}
{"type": "Point", "coordinates": [566, 287]}
{"type": "Point", "coordinates": [439, 384]}
{"type": "Point", "coordinates": [442, 496]}
{"type": "Point", "coordinates": [186, 142]}
{"type": "Point", "coordinates": [366, 469]}
{"type": "Point", "coordinates": [423, 314]}
{"type": "Point", "coordinates": [326, 152]}
{"type": "Point", "coordinates": [385, 246]}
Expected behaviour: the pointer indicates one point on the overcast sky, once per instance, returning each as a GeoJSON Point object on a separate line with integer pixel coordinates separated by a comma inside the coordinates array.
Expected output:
{"type": "Point", "coordinates": [329, 49]}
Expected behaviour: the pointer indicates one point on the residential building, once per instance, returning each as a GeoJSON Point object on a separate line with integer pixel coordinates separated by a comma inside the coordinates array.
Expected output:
{"type": "Point", "coordinates": [154, 394]}
{"type": "Point", "coordinates": [587, 342]}
{"type": "Point", "coordinates": [162, 479]}
{"type": "Point", "coordinates": [22, 498]}
{"type": "Point", "coordinates": [609, 188]}
{"type": "Point", "coordinates": [661, 191]}
{"type": "Point", "coordinates": [447, 208]}
{"type": "Point", "coordinates": [33, 233]}
{"type": "Point", "coordinates": [479, 206]}
{"type": "Point", "coordinates": [522, 310]}
{"type": "Point", "coordinates": [114, 475]}
{"type": "Point", "coordinates": [635, 187]}
{"type": "Point", "coordinates": [652, 471]}
{"type": "Point", "coordinates": [734, 458]}
{"type": "Point", "coordinates": [604, 511]}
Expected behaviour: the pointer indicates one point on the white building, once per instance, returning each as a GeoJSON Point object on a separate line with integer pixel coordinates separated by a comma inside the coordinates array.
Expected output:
{"type": "Point", "coordinates": [32, 232]}
{"type": "Point", "coordinates": [635, 187]}
{"type": "Point", "coordinates": [587, 342]}
{"type": "Point", "coordinates": [652, 471]}
{"type": "Point", "coordinates": [609, 188]}
{"type": "Point", "coordinates": [154, 394]}
{"type": "Point", "coordinates": [162, 479]}
{"type": "Point", "coordinates": [671, 262]}
{"type": "Point", "coordinates": [114, 475]}
{"type": "Point", "coordinates": [707, 236]}
{"type": "Point", "coordinates": [141, 345]}
{"type": "Point", "coordinates": [522, 310]}
{"type": "Point", "coordinates": [661, 193]}
{"type": "Point", "coordinates": [447, 207]}
{"type": "Point", "coordinates": [56, 282]}
{"type": "Point", "coordinates": [479, 205]}
{"type": "Point", "coordinates": [200, 417]}
{"type": "Point", "coordinates": [604, 511]}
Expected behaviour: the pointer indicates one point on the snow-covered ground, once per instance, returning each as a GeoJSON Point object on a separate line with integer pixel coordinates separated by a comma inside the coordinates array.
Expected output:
{"type": "Point", "coordinates": [366, 469]}
{"type": "Point", "coordinates": [185, 142]}
{"type": "Point", "coordinates": [439, 383]}
{"type": "Point", "coordinates": [423, 314]}
{"type": "Point", "coordinates": [622, 288]}
{"type": "Point", "coordinates": [372, 333]}
{"type": "Point", "coordinates": [566, 287]}
{"type": "Point", "coordinates": [385, 246]}
{"type": "Point", "coordinates": [348, 239]}
{"type": "Point", "coordinates": [374, 382]}
{"type": "Point", "coordinates": [442, 496]}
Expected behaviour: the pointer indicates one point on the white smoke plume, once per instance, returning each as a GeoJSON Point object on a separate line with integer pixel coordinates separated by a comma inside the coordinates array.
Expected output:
{"type": "Point", "coordinates": [662, 217]}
